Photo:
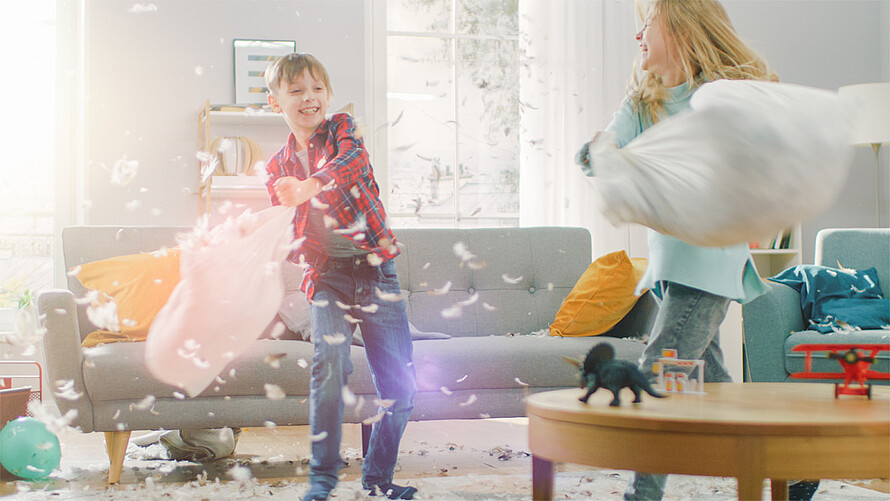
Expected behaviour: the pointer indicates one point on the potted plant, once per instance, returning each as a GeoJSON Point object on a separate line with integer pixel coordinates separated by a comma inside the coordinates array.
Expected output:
{"type": "Point", "coordinates": [26, 316]}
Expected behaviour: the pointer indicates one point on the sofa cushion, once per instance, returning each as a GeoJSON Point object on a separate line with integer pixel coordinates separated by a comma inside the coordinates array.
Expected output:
{"type": "Point", "coordinates": [416, 335]}
{"type": "Point", "coordinates": [794, 361]}
{"type": "Point", "coordinates": [496, 362]}
{"type": "Point", "coordinates": [490, 362]}
{"type": "Point", "coordinates": [846, 313]}
{"type": "Point", "coordinates": [514, 282]}
{"type": "Point", "coordinates": [139, 285]}
{"type": "Point", "coordinates": [821, 286]}
{"type": "Point", "coordinates": [602, 296]}
{"type": "Point", "coordinates": [253, 368]}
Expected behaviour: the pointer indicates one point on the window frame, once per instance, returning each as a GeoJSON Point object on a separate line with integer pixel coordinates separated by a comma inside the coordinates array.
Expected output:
{"type": "Point", "coordinates": [68, 158]}
{"type": "Point", "coordinates": [376, 37]}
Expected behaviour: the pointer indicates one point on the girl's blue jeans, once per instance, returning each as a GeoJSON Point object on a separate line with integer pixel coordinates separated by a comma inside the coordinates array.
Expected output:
{"type": "Point", "coordinates": [689, 322]}
{"type": "Point", "coordinates": [354, 283]}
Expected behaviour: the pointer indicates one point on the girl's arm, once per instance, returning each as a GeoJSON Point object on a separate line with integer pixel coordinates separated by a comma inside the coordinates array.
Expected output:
{"type": "Point", "coordinates": [625, 123]}
{"type": "Point", "coordinates": [625, 127]}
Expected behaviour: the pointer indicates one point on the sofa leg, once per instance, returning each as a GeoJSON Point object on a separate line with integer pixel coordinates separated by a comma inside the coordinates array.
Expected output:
{"type": "Point", "coordinates": [366, 438]}
{"type": "Point", "coordinates": [116, 445]}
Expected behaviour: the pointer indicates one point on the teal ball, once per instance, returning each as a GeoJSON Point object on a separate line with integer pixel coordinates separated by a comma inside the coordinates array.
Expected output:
{"type": "Point", "coordinates": [28, 449]}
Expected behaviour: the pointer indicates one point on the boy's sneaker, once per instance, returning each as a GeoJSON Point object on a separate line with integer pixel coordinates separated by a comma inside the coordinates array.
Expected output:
{"type": "Point", "coordinates": [392, 491]}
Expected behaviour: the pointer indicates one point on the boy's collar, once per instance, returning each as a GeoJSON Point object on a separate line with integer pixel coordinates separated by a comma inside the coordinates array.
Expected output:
{"type": "Point", "coordinates": [322, 128]}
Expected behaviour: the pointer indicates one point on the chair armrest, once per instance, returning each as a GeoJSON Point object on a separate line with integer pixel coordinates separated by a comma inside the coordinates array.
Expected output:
{"type": "Point", "coordinates": [64, 358]}
{"type": "Point", "coordinates": [768, 321]}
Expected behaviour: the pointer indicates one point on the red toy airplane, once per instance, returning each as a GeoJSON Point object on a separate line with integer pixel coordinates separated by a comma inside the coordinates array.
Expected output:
{"type": "Point", "coordinates": [855, 366]}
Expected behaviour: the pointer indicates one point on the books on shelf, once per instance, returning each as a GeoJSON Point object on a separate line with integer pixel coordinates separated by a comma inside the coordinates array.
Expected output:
{"type": "Point", "coordinates": [786, 239]}
{"type": "Point", "coordinates": [782, 239]}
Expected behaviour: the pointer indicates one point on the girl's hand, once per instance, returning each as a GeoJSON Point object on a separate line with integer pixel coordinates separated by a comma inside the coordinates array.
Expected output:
{"type": "Point", "coordinates": [292, 192]}
{"type": "Point", "coordinates": [596, 137]}
{"type": "Point", "coordinates": [603, 140]}
{"type": "Point", "coordinates": [583, 156]}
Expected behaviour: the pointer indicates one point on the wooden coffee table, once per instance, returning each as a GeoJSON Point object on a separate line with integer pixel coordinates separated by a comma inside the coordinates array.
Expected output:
{"type": "Point", "coordinates": [751, 431]}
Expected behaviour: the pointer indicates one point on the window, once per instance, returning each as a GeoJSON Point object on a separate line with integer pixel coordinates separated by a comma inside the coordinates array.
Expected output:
{"type": "Point", "coordinates": [26, 183]}
{"type": "Point", "coordinates": [453, 112]}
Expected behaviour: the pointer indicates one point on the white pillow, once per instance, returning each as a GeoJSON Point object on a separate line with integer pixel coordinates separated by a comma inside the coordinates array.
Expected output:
{"type": "Point", "coordinates": [749, 159]}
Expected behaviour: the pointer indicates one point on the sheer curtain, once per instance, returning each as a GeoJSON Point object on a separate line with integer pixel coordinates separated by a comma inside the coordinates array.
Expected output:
{"type": "Point", "coordinates": [562, 94]}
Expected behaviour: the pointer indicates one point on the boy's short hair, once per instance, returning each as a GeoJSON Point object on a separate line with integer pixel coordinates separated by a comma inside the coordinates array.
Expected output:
{"type": "Point", "coordinates": [288, 67]}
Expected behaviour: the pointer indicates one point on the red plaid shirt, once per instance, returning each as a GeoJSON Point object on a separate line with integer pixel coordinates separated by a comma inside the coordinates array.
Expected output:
{"type": "Point", "coordinates": [339, 160]}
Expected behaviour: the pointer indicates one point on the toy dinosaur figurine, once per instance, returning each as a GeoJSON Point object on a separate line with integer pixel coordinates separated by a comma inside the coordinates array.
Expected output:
{"type": "Point", "coordinates": [601, 370]}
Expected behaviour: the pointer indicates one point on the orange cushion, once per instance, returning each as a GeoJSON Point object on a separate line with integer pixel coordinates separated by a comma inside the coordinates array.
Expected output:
{"type": "Point", "coordinates": [601, 297]}
{"type": "Point", "coordinates": [139, 284]}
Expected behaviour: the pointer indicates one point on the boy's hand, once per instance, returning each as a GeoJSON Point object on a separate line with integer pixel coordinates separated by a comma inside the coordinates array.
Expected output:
{"type": "Point", "coordinates": [293, 192]}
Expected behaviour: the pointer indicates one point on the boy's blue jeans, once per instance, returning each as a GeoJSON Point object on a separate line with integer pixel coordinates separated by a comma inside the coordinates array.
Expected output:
{"type": "Point", "coordinates": [689, 322]}
{"type": "Point", "coordinates": [353, 282]}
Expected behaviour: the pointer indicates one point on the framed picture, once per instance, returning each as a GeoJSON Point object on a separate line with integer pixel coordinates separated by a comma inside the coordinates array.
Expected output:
{"type": "Point", "coordinates": [251, 59]}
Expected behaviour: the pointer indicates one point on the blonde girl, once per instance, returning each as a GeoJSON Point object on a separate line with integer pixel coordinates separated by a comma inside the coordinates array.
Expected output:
{"type": "Point", "coordinates": [683, 45]}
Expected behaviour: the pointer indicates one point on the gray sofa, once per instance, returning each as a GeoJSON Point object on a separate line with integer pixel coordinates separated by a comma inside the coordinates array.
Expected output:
{"type": "Point", "coordinates": [774, 324]}
{"type": "Point", "coordinates": [492, 353]}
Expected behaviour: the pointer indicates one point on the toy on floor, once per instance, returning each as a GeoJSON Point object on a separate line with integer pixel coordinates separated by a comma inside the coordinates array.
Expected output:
{"type": "Point", "coordinates": [679, 381]}
{"type": "Point", "coordinates": [855, 365]}
{"type": "Point", "coordinates": [601, 370]}
{"type": "Point", "coordinates": [29, 449]}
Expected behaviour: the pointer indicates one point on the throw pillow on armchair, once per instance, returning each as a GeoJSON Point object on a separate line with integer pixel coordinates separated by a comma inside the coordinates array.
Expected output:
{"type": "Point", "coordinates": [838, 299]}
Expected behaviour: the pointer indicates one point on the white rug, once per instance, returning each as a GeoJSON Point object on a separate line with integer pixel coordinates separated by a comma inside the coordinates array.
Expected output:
{"type": "Point", "coordinates": [232, 479]}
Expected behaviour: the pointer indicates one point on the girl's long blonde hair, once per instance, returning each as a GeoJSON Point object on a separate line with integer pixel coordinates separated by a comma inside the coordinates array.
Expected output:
{"type": "Point", "coordinates": [708, 47]}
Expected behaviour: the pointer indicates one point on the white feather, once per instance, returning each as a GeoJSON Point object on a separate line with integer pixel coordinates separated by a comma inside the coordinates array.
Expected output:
{"type": "Point", "coordinates": [274, 392]}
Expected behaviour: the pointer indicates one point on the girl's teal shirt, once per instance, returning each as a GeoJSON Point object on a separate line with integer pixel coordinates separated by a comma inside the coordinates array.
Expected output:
{"type": "Point", "coordinates": [724, 271]}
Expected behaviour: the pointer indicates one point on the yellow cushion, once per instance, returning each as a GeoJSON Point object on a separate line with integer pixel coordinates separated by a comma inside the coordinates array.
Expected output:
{"type": "Point", "coordinates": [601, 297]}
{"type": "Point", "coordinates": [139, 284]}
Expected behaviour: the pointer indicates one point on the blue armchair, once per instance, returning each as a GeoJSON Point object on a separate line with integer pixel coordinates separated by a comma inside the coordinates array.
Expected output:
{"type": "Point", "coordinates": [774, 324]}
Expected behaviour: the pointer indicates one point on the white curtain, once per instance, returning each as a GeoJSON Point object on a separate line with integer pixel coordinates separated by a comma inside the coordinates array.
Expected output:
{"type": "Point", "coordinates": [563, 43]}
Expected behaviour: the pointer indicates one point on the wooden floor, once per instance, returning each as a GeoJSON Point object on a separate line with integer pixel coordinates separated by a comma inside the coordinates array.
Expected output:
{"type": "Point", "coordinates": [429, 449]}
{"type": "Point", "coordinates": [436, 448]}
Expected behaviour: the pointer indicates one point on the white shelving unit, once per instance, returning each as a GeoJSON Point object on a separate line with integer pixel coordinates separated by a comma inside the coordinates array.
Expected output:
{"type": "Point", "coordinates": [267, 128]}
{"type": "Point", "coordinates": [769, 262]}
{"type": "Point", "coordinates": [237, 187]}
{"type": "Point", "coordinates": [246, 117]}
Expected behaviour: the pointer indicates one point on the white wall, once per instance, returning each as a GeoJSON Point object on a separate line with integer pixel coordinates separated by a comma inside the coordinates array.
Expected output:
{"type": "Point", "coordinates": [143, 90]}
{"type": "Point", "coordinates": [820, 43]}
{"type": "Point", "coordinates": [144, 93]}
{"type": "Point", "coordinates": [827, 44]}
